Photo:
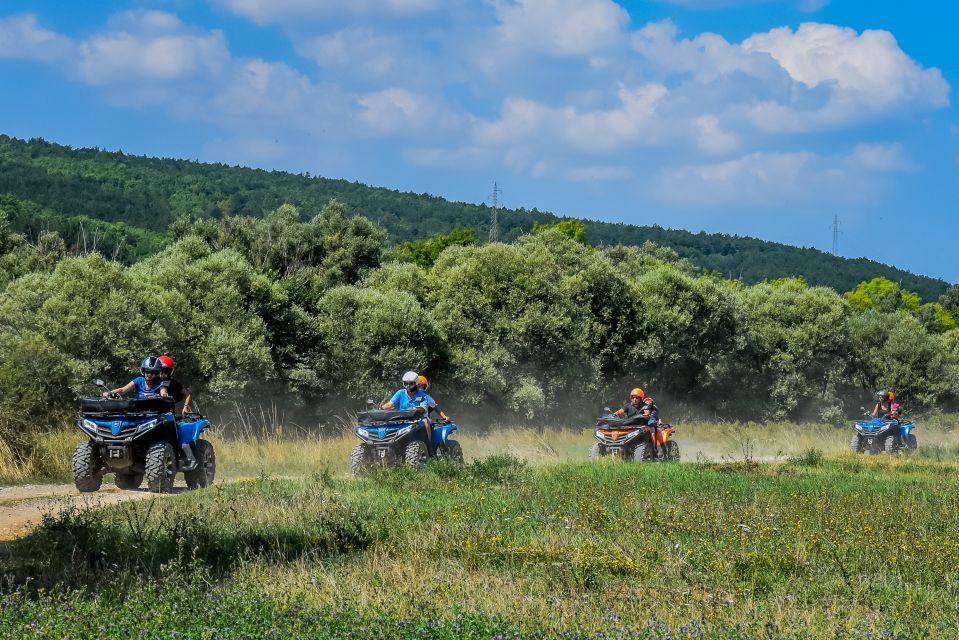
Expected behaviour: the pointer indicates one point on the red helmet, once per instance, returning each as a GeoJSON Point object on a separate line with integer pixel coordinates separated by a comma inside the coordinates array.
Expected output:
{"type": "Point", "coordinates": [166, 362]}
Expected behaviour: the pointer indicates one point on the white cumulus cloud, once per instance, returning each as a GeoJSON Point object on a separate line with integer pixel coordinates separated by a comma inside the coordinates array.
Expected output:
{"type": "Point", "coordinates": [600, 130]}
{"type": "Point", "coordinates": [21, 36]}
{"type": "Point", "coordinates": [776, 178]}
{"type": "Point", "coordinates": [561, 27]}
{"type": "Point", "coordinates": [864, 74]}
{"type": "Point", "coordinates": [291, 11]}
{"type": "Point", "coordinates": [150, 45]}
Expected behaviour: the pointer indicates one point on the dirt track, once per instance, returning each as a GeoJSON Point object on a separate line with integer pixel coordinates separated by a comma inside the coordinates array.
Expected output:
{"type": "Point", "coordinates": [22, 507]}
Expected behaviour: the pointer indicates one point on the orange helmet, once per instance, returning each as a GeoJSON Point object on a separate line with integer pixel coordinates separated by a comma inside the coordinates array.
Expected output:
{"type": "Point", "coordinates": [892, 396]}
{"type": "Point", "coordinates": [637, 393]}
{"type": "Point", "coordinates": [421, 380]}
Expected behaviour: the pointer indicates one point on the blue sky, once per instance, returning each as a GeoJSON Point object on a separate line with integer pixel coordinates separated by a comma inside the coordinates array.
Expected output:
{"type": "Point", "coordinates": [756, 117]}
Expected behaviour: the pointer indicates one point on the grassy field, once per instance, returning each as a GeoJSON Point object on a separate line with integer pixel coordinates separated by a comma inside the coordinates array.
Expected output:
{"type": "Point", "coordinates": [813, 546]}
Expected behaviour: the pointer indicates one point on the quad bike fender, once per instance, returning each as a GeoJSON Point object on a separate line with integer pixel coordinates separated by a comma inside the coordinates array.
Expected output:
{"type": "Point", "coordinates": [189, 432]}
{"type": "Point", "coordinates": [663, 436]}
{"type": "Point", "coordinates": [442, 433]}
{"type": "Point", "coordinates": [905, 429]}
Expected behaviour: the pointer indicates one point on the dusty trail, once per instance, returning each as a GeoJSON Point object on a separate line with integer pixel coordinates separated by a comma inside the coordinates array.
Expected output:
{"type": "Point", "coordinates": [22, 507]}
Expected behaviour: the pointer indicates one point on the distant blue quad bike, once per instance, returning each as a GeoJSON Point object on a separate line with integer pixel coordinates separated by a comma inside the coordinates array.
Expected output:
{"type": "Point", "coordinates": [392, 438]}
{"type": "Point", "coordinates": [137, 439]}
{"type": "Point", "coordinates": [883, 436]}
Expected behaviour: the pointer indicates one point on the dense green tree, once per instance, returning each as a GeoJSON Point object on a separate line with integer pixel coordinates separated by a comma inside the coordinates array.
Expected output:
{"type": "Point", "coordinates": [367, 339]}
{"type": "Point", "coordinates": [425, 252]}
{"type": "Point", "coordinates": [796, 344]}
{"type": "Point", "coordinates": [569, 227]}
{"type": "Point", "coordinates": [893, 351]}
{"type": "Point", "coordinates": [516, 336]}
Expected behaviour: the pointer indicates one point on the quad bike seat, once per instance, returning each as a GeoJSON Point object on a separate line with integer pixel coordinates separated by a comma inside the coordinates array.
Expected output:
{"type": "Point", "coordinates": [612, 422]}
{"type": "Point", "coordinates": [390, 415]}
{"type": "Point", "coordinates": [126, 405]}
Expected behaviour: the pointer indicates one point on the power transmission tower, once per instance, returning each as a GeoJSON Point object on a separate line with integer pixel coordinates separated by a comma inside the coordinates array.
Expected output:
{"type": "Point", "coordinates": [493, 219]}
{"type": "Point", "coordinates": [835, 235]}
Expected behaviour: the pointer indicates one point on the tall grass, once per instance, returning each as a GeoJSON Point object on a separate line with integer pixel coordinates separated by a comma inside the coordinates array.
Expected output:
{"type": "Point", "coordinates": [259, 442]}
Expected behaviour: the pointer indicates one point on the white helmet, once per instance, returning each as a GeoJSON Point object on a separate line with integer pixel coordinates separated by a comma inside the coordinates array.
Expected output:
{"type": "Point", "coordinates": [410, 376]}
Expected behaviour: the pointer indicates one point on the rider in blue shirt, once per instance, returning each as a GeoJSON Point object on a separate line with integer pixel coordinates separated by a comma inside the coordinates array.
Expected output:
{"type": "Point", "coordinates": [409, 397]}
{"type": "Point", "coordinates": [146, 385]}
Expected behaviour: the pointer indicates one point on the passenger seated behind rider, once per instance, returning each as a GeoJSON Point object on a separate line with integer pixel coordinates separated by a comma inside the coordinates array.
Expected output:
{"type": "Point", "coordinates": [409, 397]}
{"type": "Point", "coordinates": [633, 406]}
{"type": "Point", "coordinates": [650, 414]}
{"type": "Point", "coordinates": [423, 384]}
{"type": "Point", "coordinates": [886, 408]}
{"type": "Point", "coordinates": [170, 387]}
{"type": "Point", "coordinates": [147, 385]}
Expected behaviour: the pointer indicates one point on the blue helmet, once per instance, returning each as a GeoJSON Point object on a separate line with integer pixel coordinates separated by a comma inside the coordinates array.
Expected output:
{"type": "Point", "coordinates": [150, 364]}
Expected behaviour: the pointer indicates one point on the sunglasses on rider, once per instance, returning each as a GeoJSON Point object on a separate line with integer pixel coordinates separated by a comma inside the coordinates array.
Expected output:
{"type": "Point", "coordinates": [147, 372]}
{"type": "Point", "coordinates": [409, 384]}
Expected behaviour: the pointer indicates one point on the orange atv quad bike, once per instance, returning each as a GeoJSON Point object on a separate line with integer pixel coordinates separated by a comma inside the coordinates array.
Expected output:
{"type": "Point", "coordinates": [628, 439]}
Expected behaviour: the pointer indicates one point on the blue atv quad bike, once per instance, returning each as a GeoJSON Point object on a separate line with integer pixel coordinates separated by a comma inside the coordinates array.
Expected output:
{"type": "Point", "coordinates": [391, 438]}
{"type": "Point", "coordinates": [140, 438]}
{"type": "Point", "coordinates": [878, 435]}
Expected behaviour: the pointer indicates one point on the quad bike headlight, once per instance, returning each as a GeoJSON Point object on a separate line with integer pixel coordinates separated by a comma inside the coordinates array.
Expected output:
{"type": "Point", "coordinates": [148, 425]}
{"type": "Point", "coordinates": [89, 425]}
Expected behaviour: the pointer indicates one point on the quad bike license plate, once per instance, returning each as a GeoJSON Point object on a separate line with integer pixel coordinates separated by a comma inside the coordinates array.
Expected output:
{"type": "Point", "coordinates": [115, 453]}
{"type": "Point", "coordinates": [615, 451]}
{"type": "Point", "coordinates": [382, 453]}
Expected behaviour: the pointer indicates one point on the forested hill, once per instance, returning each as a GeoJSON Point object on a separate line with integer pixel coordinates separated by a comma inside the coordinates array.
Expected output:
{"type": "Point", "coordinates": [130, 201]}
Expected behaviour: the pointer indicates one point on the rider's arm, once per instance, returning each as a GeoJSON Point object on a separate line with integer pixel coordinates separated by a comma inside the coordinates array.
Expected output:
{"type": "Point", "coordinates": [619, 413]}
{"type": "Point", "coordinates": [391, 404]}
{"type": "Point", "coordinates": [127, 388]}
{"type": "Point", "coordinates": [875, 411]}
{"type": "Point", "coordinates": [187, 397]}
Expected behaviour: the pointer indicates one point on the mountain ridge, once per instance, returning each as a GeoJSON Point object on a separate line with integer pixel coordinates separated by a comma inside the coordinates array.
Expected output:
{"type": "Point", "coordinates": [150, 193]}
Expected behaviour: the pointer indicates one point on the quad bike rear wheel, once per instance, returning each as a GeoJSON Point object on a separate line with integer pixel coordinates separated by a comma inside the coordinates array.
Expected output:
{"type": "Point", "coordinates": [361, 457]}
{"type": "Point", "coordinates": [205, 470]}
{"type": "Point", "coordinates": [455, 451]}
{"type": "Point", "coordinates": [128, 481]}
{"type": "Point", "coordinates": [855, 443]}
{"type": "Point", "coordinates": [416, 454]}
{"type": "Point", "coordinates": [160, 467]}
{"type": "Point", "coordinates": [86, 468]}
{"type": "Point", "coordinates": [596, 452]}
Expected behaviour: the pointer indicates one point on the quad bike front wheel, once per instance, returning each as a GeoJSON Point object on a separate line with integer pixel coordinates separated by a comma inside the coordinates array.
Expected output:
{"type": "Point", "coordinates": [643, 452]}
{"type": "Point", "coordinates": [595, 452]}
{"type": "Point", "coordinates": [454, 450]}
{"type": "Point", "coordinates": [416, 454]}
{"type": "Point", "coordinates": [855, 444]}
{"type": "Point", "coordinates": [205, 470]}
{"type": "Point", "coordinates": [361, 458]}
{"type": "Point", "coordinates": [86, 468]}
{"type": "Point", "coordinates": [889, 444]}
{"type": "Point", "coordinates": [672, 451]}
{"type": "Point", "coordinates": [160, 467]}
{"type": "Point", "coordinates": [128, 481]}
